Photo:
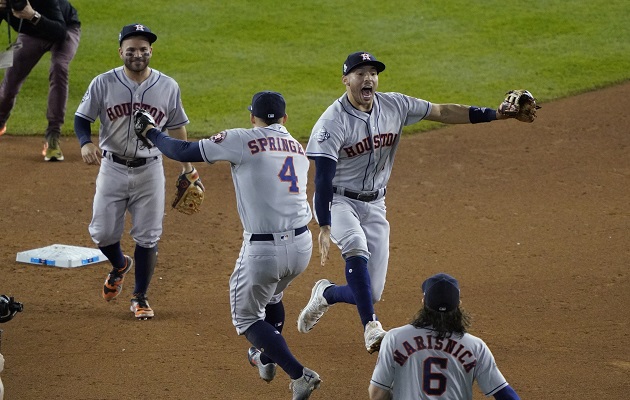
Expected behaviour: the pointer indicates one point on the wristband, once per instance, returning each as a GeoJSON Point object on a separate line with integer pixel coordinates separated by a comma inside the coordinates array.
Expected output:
{"type": "Point", "coordinates": [483, 114]}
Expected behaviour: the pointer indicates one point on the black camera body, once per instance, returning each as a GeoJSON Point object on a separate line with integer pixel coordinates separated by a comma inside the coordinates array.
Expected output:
{"type": "Point", "coordinates": [17, 5]}
{"type": "Point", "coordinates": [8, 308]}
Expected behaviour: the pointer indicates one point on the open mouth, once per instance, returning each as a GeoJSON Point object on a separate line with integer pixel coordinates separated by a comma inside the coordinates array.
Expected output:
{"type": "Point", "coordinates": [366, 92]}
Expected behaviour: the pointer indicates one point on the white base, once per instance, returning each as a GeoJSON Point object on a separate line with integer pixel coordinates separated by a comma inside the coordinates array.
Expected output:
{"type": "Point", "coordinates": [60, 255]}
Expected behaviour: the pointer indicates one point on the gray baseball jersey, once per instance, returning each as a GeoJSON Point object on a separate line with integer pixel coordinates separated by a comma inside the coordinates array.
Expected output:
{"type": "Point", "coordinates": [112, 98]}
{"type": "Point", "coordinates": [364, 144]}
{"type": "Point", "coordinates": [269, 170]}
{"type": "Point", "coordinates": [414, 364]}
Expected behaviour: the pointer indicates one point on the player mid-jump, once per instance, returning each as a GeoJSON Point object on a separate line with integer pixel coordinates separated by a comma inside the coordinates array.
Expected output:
{"type": "Point", "coordinates": [353, 145]}
{"type": "Point", "coordinates": [270, 172]}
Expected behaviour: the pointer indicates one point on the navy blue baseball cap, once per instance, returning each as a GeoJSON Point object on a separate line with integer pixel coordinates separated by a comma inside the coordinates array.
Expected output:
{"type": "Point", "coordinates": [268, 105]}
{"type": "Point", "coordinates": [361, 58]}
{"type": "Point", "coordinates": [136, 30]}
{"type": "Point", "coordinates": [441, 293]}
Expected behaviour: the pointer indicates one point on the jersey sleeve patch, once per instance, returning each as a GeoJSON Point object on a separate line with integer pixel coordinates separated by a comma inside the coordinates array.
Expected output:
{"type": "Point", "coordinates": [322, 135]}
{"type": "Point", "coordinates": [86, 97]}
{"type": "Point", "coordinates": [219, 137]}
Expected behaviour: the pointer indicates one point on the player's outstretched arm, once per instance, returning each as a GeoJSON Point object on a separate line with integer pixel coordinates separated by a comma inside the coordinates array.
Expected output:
{"type": "Point", "coordinates": [519, 104]}
{"type": "Point", "coordinates": [462, 114]}
{"type": "Point", "coordinates": [449, 113]}
{"type": "Point", "coordinates": [178, 150]}
{"type": "Point", "coordinates": [181, 134]}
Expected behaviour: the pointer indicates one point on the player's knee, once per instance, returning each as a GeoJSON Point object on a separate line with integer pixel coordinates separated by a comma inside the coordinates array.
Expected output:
{"type": "Point", "coordinates": [103, 240]}
{"type": "Point", "coordinates": [275, 299]}
{"type": "Point", "coordinates": [103, 237]}
{"type": "Point", "coordinates": [242, 326]}
{"type": "Point", "coordinates": [358, 252]}
{"type": "Point", "coordinates": [147, 244]}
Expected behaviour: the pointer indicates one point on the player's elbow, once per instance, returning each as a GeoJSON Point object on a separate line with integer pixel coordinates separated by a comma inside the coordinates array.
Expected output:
{"type": "Point", "coordinates": [376, 393]}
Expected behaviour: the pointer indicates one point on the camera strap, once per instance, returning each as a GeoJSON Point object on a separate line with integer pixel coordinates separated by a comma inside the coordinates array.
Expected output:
{"type": "Point", "coordinates": [6, 57]}
{"type": "Point", "coordinates": [13, 45]}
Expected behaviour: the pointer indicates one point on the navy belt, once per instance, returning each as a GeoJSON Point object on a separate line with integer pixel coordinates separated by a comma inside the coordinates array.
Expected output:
{"type": "Point", "coordinates": [361, 196]}
{"type": "Point", "coordinates": [264, 237]}
{"type": "Point", "coordinates": [131, 163]}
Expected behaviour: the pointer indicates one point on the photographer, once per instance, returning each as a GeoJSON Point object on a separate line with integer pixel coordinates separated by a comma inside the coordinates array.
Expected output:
{"type": "Point", "coordinates": [42, 26]}
{"type": "Point", "coordinates": [8, 308]}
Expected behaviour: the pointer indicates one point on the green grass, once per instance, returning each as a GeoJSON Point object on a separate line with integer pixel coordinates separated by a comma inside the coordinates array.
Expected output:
{"type": "Point", "coordinates": [443, 51]}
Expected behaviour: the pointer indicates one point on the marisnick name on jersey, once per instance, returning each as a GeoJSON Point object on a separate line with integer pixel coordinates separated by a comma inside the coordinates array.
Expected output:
{"type": "Point", "coordinates": [126, 109]}
{"type": "Point", "coordinates": [429, 342]}
{"type": "Point", "coordinates": [271, 143]}
{"type": "Point", "coordinates": [380, 140]}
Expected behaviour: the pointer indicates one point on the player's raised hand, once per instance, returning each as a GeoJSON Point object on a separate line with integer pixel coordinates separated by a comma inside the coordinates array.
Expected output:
{"type": "Point", "coordinates": [324, 242]}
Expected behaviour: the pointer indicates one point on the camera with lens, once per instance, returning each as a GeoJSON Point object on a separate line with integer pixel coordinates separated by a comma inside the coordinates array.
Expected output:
{"type": "Point", "coordinates": [17, 5]}
{"type": "Point", "coordinates": [9, 307]}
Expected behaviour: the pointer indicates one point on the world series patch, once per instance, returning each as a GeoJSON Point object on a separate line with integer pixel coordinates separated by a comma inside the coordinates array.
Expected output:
{"type": "Point", "coordinates": [322, 135]}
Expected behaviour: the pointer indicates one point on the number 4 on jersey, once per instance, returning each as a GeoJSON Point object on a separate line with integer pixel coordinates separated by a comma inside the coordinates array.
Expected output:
{"type": "Point", "coordinates": [287, 174]}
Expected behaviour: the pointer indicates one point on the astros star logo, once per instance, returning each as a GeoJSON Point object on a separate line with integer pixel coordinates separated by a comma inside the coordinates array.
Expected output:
{"type": "Point", "coordinates": [139, 27]}
{"type": "Point", "coordinates": [366, 57]}
{"type": "Point", "coordinates": [218, 138]}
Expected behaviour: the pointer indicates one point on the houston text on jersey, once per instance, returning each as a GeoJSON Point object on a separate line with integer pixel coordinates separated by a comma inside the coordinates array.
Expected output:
{"type": "Point", "coordinates": [126, 109]}
{"type": "Point", "coordinates": [380, 140]}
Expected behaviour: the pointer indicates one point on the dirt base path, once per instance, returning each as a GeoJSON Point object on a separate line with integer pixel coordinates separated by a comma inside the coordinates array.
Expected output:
{"type": "Point", "coordinates": [533, 219]}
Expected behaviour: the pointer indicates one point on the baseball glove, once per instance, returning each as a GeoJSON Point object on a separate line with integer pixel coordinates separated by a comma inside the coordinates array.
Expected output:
{"type": "Point", "coordinates": [519, 104]}
{"type": "Point", "coordinates": [189, 194]}
{"type": "Point", "coordinates": [142, 118]}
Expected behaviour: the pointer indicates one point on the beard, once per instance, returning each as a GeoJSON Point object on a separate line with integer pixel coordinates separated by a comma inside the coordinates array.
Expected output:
{"type": "Point", "coordinates": [137, 64]}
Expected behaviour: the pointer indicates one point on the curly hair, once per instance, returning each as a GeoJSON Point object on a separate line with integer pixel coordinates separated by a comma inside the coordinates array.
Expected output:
{"type": "Point", "coordinates": [445, 324]}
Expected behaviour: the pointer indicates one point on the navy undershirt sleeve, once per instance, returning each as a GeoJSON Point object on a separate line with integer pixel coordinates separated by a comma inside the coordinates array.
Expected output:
{"type": "Point", "coordinates": [178, 150]}
{"type": "Point", "coordinates": [83, 130]}
{"type": "Point", "coordinates": [325, 169]}
{"type": "Point", "coordinates": [507, 393]}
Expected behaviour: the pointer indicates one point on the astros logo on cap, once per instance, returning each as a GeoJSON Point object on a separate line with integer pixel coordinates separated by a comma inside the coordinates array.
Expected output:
{"type": "Point", "coordinates": [366, 56]}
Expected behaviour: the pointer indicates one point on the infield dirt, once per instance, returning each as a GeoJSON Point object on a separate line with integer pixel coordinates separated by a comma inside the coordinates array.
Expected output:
{"type": "Point", "coordinates": [533, 219]}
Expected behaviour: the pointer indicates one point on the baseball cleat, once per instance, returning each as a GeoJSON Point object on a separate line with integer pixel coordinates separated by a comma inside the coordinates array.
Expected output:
{"type": "Point", "coordinates": [316, 307]}
{"type": "Point", "coordinates": [52, 151]}
{"type": "Point", "coordinates": [373, 334]}
{"type": "Point", "coordinates": [304, 386]}
{"type": "Point", "coordinates": [266, 371]}
{"type": "Point", "coordinates": [114, 281]}
{"type": "Point", "coordinates": [141, 308]}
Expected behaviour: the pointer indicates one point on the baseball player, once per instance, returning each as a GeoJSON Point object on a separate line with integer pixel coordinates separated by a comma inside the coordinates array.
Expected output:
{"type": "Point", "coordinates": [353, 145]}
{"type": "Point", "coordinates": [433, 356]}
{"type": "Point", "coordinates": [269, 170]}
{"type": "Point", "coordinates": [131, 176]}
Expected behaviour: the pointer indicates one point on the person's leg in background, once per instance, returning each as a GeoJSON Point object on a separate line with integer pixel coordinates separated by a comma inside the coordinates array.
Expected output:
{"type": "Point", "coordinates": [62, 54]}
{"type": "Point", "coordinates": [24, 59]}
